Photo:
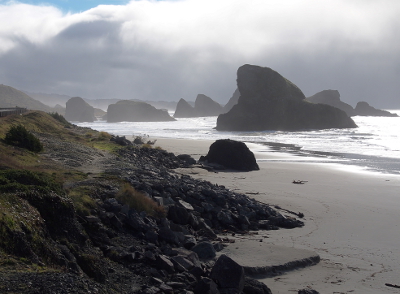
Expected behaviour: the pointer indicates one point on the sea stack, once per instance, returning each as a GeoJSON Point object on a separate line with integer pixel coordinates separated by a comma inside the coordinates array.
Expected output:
{"type": "Point", "coordinates": [78, 109]}
{"type": "Point", "coordinates": [332, 98]}
{"type": "Point", "coordinates": [268, 101]}
{"type": "Point", "coordinates": [136, 111]}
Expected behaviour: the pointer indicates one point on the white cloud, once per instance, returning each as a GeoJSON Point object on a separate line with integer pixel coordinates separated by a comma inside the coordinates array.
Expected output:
{"type": "Point", "coordinates": [179, 48]}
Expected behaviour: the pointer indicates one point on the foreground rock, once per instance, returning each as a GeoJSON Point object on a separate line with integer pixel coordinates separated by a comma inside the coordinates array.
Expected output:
{"type": "Point", "coordinates": [268, 101]}
{"type": "Point", "coordinates": [203, 106]}
{"type": "Point", "coordinates": [332, 98]}
{"type": "Point", "coordinates": [232, 155]}
{"type": "Point", "coordinates": [364, 109]}
{"type": "Point", "coordinates": [78, 109]}
{"type": "Point", "coordinates": [135, 111]}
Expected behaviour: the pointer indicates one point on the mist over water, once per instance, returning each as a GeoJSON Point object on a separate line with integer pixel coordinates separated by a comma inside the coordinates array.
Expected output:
{"type": "Point", "coordinates": [375, 144]}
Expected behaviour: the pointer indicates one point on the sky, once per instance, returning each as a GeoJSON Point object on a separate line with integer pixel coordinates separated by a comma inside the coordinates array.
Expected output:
{"type": "Point", "coordinates": [172, 49]}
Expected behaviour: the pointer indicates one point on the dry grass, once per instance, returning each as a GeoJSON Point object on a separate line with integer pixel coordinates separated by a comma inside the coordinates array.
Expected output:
{"type": "Point", "coordinates": [139, 201]}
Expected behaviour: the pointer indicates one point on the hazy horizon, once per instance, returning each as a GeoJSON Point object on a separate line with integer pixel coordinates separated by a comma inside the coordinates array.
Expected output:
{"type": "Point", "coordinates": [167, 50]}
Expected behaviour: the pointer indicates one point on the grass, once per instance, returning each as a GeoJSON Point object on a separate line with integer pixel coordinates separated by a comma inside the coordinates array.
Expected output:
{"type": "Point", "coordinates": [139, 201]}
{"type": "Point", "coordinates": [83, 203]}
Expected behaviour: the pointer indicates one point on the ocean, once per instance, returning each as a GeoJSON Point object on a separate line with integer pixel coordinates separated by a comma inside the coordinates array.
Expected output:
{"type": "Point", "coordinates": [373, 146]}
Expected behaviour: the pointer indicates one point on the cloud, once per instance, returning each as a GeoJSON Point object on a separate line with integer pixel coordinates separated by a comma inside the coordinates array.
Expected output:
{"type": "Point", "coordinates": [166, 50]}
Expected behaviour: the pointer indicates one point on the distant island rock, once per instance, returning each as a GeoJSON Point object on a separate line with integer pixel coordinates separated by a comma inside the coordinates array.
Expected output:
{"type": "Point", "coordinates": [332, 98]}
{"type": "Point", "coordinates": [135, 111]}
{"type": "Point", "coordinates": [233, 101]}
{"type": "Point", "coordinates": [184, 109]}
{"type": "Point", "coordinates": [203, 106]}
{"type": "Point", "coordinates": [78, 109]}
{"type": "Point", "coordinates": [364, 109]}
{"type": "Point", "coordinates": [268, 101]}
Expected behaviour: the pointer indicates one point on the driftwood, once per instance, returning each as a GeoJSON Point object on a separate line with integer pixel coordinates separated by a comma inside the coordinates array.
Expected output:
{"type": "Point", "coordinates": [393, 286]}
{"type": "Point", "coordinates": [299, 182]}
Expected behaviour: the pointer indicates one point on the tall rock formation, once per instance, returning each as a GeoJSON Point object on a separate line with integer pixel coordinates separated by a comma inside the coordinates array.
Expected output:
{"type": "Point", "coordinates": [135, 111]}
{"type": "Point", "coordinates": [364, 109]}
{"type": "Point", "coordinates": [268, 101]}
{"type": "Point", "coordinates": [332, 98]}
{"type": "Point", "coordinates": [184, 109]}
{"type": "Point", "coordinates": [233, 101]}
{"type": "Point", "coordinates": [78, 109]}
{"type": "Point", "coordinates": [203, 106]}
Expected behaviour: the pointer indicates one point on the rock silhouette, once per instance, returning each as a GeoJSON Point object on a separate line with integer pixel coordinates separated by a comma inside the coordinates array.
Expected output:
{"type": "Point", "coordinates": [135, 111]}
{"type": "Point", "coordinates": [268, 101]}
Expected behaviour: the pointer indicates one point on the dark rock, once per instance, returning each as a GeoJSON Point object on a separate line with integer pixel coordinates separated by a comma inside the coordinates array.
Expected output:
{"type": "Point", "coordinates": [252, 286]}
{"type": "Point", "coordinates": [206, 286]}
{"type": "Point", "coordinates": [307, 291]}
{"type": "Point", "coordinates": [205, 250]}
{"type": "Point", "coordinates": [178, 215]}
{"type": "Point", "coordinates": [268, 101]}
{"type": "Point", "coordinates": [78, 109]}
{"type": "Point", "coordinates": [232, 101]}
{"type": "Point", "coordinates": [163, 262]}
{"type": "Point", "coordinates": [232, 154]}
{"type": "Point", "coordinates": [332, 98]}
{"type": "Point", "coordinates": [228, 275]}
{"type": "Point", "coordinates": [136, 111]}
{"type": "Point", "coordinates": [364, 109]}
{"type": "Point", "coordinates": [187, 159]}
{"type": "Point", "coordinates": [184, 262]}
{"type": "Point", "coordinates": [205, 106]}
{"type": "Point", "coordinates": [169, 236]}
{"type": "Point", "coordinates": [121, 140]}
{"type": "Point", "coordinates": [184, 109]}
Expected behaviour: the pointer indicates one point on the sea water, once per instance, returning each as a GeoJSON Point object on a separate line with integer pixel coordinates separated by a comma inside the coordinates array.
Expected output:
{"type": "Point", "coordinates": [374, 145]}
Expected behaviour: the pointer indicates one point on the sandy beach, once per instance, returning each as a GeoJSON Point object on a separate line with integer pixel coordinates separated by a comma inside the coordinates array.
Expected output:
{"type": "Point", "coordinates": [351, 218]}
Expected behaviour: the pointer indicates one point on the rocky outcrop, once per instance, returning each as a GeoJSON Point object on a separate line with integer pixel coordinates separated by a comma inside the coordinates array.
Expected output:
{"type": "Point", "coordinates": [364, 109]}
{"type": "Point", "coordinates": [231, 154]}
{"type": "Point", "coordinates": [135, 111]}
{"type": "Point", "coordinates": [268, 101]}
{"type": "Point", "coordinates": [332, 98]}
{"type": "Point", "coordinates": [79, 110]}
{"type": "Point", "coordinates": [203, 106]}
{"type": "Point", "coordinates": [233, 101]}
{"type": "Point", "coordinates": [184, 109]}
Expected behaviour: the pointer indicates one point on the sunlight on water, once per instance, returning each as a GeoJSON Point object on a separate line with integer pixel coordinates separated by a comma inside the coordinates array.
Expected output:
{"type": "Point", "coordinates": [376, 139]}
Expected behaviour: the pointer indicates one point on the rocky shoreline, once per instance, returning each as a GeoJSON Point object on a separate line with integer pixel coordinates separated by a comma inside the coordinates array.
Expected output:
{"type": "Point", "coordinates": [116, 249]}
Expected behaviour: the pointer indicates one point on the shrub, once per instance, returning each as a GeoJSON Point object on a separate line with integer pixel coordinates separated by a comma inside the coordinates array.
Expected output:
{"type": "Point", "coordinates": [139, 201]}
{"type": "Point", "coordinates": [60, 118]}
{"type": "Point", "coordinates": [104, 136]}
{"type": "Point", "coordinates": [25, 181]}
{"type": "Point", "coordinates": [19, 136]}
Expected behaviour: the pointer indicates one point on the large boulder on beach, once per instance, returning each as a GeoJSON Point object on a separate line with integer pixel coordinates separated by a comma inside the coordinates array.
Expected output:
{"type": "Point", "coordinates": [332, 98]}
{"type": "Point", "coordinates": [364, 109]}
{"type": "Point", "coordinates": [232, 155]}
{"type": "Point", "coordinates": [228, 275]}
{"type": "Point", "coordinates": [136, 111]}
{"type": "Point", "coordinates": [268, 101]}
{"type": "Point", "coordinates": [78, 109]}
